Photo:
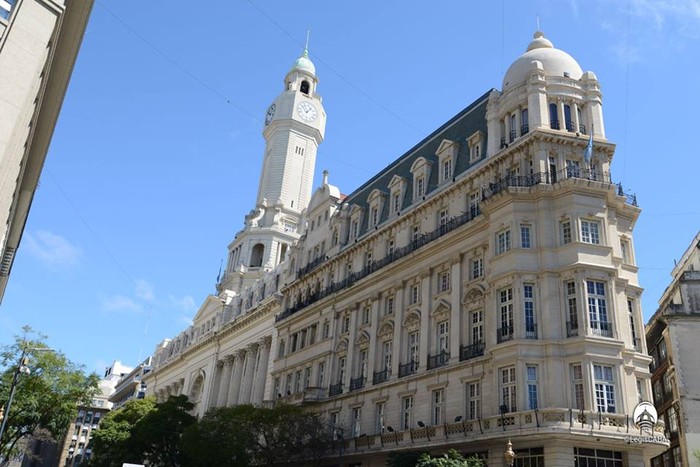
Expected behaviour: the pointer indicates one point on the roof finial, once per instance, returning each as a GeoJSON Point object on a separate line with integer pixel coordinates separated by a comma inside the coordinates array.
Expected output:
{"type": "Point", "coordinates": [538, 22]}
{"type": "Point", "coordinates": [306, 47]}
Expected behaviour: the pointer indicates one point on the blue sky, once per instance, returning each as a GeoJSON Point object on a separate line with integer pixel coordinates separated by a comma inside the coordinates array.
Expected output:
{"type": "Point", "coordinates": [157, 152]}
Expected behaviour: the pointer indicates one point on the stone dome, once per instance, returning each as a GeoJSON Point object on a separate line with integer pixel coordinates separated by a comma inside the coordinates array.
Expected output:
{"type": "Point", "coordinates": [554, 62]}
{"type": "Point", "coordinates": [304, 63]}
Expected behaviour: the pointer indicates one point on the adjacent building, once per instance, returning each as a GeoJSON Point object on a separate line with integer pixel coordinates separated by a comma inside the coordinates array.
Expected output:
{"type": "Point", "coordinates": [74, 449]}
{"type": "Point", "coordinates": [130, 385]}
{"type": "Point", "coordinates": [39, 42]}
{"type": "Point", "coordinates": [671, 337]}
{"type": "Point", "coordinates": [482, 287]}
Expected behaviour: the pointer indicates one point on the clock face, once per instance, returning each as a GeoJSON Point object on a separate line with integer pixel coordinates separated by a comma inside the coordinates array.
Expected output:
{"type": "Point", "coordinates": [307, 111]}
{"type": "Point", "coordinates": [270, 114]}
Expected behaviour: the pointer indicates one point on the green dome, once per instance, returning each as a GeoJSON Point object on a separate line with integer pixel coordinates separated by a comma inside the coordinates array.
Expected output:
{"type": "Point", "coordinates": [303, 63]}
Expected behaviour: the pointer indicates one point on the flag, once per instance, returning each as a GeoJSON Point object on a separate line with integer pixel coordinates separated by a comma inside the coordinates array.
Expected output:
{"type": "Point", "coordinates": [588, 152]}
{"type": "Point", "coordinates": [218, 276]}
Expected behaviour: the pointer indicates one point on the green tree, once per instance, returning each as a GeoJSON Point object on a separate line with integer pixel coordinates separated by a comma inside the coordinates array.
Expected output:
{"type": "Point", "coordinates": [246, 435]}
{"type": "Point", "coordinates": [112, 445]}
{"type": "Point", "coordinates": [403, 458]}
{"type": "Point", "coordinates": [159, 432]}
{"type": "Point", "coordinates": [451, 459]}
{"type": "Point", "coordinates": [47, 392]}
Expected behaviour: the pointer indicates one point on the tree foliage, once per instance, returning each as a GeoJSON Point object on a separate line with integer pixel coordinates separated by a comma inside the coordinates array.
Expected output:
{"type": "Point", "coordinates": [45, 399]}
{"type": "Point", "coordinates": [245, 435]}
{"type": "Point", "coordinates": [158, 433]}
{"type": "Point", "coordinates": [113, 444]}
{"type": "Point", "coordinates": [451, 459]}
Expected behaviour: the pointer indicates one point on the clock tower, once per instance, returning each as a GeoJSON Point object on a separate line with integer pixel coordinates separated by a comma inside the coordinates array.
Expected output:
{"type": "Point", "coordinates": [294, 126]}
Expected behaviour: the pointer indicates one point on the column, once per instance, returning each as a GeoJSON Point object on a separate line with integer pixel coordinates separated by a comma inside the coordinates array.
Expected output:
{"type": "Point", "coordinates": [518, 124]}
{"type": "Point", "coordinates": [455, 308]}
{"type": "Point", "coordinates": [425, 320]}
{"type": "Point", "coordinates": [225, 381]}
{"type": "Point", "coordinates": [261, 371]}
{"type": "Point", "coordinates": [249, 372]}
{"type": "Point", "coordinates": [372, 354]}
{"type": "Point", "coordinates": [396, 350]}
{"type": "Point", "coordinates": [235, 385]}
{"type": "Point", "coordinates": [574, 117]}
{"type": "Point", "coordinates": [562, 120]}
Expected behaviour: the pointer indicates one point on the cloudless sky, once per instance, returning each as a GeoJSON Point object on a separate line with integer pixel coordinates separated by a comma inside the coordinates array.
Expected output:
{"type": "Point", "coordinates": [157, 152]}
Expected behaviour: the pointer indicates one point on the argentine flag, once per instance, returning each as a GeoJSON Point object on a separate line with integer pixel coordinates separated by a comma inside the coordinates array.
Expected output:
{"type": "Point", "coordinates": [588, 152]}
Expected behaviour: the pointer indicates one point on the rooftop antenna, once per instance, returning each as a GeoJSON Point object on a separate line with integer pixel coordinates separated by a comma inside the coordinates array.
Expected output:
{"type": "Point", "coordinates": [538, 22]}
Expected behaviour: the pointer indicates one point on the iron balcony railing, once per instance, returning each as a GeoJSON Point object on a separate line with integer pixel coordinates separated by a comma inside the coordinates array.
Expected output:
{"type": "Point", "coordinates": [582, 129]}
{"type": "Point", "coordinates": [602, 328]}
{"type": "Point", "coordinates": [530, 331]}
{"type": "Point", "coordinates": [357, 383]}
{"type": "Point", "coordinates": [380, 376]}
{"type": "Point", "coordinates": [524, 129]}
{"type": "Point", "coordinates": [554, 124]}
{"type": "Point", "coordinates": [505, 334]}
{"type": "Point", "coordinates": [436, 361]}
{"type": "Point", "coordinates": [407, 369]}
{"type": "Point", "coordinates": [492, 189]}
{"type": "Point", "coordinates": [335, 389]}
{"type": "Point", "coordinates": [571, 328]}
{"type": "Point", "coordinates": [512, 135]}
{"type": "Point", "coordinates": [467, 352]}
{"type": "Point", "coordinates": [503, 143]}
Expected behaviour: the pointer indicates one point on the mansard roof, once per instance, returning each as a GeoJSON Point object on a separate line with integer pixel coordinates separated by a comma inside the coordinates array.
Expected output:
{"type": "Point", "coordinates": [459, 128]}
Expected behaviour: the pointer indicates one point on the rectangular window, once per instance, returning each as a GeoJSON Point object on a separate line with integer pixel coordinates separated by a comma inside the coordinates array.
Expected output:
{"type": "Point", "coordinates": [280, 349]}
{"type": "Point", "coordinates": [307, 377]}
{"type": "Point", "coordinates": [354, 229]}
{"type": "Point", "coordinates": [333, 422]}
{"type": "Point", "coordinates": [625, 251]}
{"type": "Point", "coordinates": [396, 202]}
{"type": "Point", "coordinates": [288, 384]}
{"type": "Point", "coordinates": [586, 456]}
{"type": "Point", "coordinates": [389, 310]}
{"type": "Point", "coordinates": [572, 309]}
{"type": "Point", "coordinates": [415, 294]}
{"type": "Point", "coordinates": [597, 309]}
{"type": "Point", "coordinates": [342, 362]}
{"type": "Point", "coordinates": [386, 355]}
{"type": "Point", "coordinates": [355, 429]}
{"type": "Point", "coordinates": [477, 268]}
{"type": "Point", "coordinates": [505, 301]}
{"type": "Point", "coordinates": [374, 216]}
{"type": "Point", "coordinates": [321, 375]}
{"type": "Point", "coordinates": [380, 412]}
{"type": "Point", "coordinates": [297, 381]}
{"type": "Point", "coordinates": [474, 204]}
{"type": "Point", "coordinates": [415, 233]}
{"type": "Point", "coordinates": [525, 239]}
{"type": "Point", "coordinates": [6, 8]}
{"type": "Point", "coordinates": [529, 311]}
{"type": "Point", "coordinates": [443, 281]}
{"type": "Point", "coordinates": [438, 407]}
{"type": "Point", "coordinates": [420, 187]}
{"type": "Point", "coordinates": [577, 386]}
{"type": "Point", "coordinates": [390, 247]}
{"type": "Point", "coordinates": [366, 312]}
{"type": "Point", "coordinates": [413, 343]}
{"type": "Point", "coordinates": [566, 232]}
{"type": "Point", "coordinates": [508, 389]}
{"type": "Point", "coordinates": [326, 330]}
{"type": "Point", "coordinates": [473, 400]}
{"type": "Point", "coordinates": [531, 372]}
{"type": "Point", "coordinates": [406, 412]}
{"type": "Point", "coordinates": [502, 242]}
{"type": "Point", "coordinates": [443, 218]}
{"type": "Point", "coordinates": [443, 336]}
{"type": "Point", "coordinates": [446, 169]}
{"type": "Point", "coordinates": [475, 152]}
{"type": "Point", "coordinates": [590, 232]}
{"type": "Point", "coordinates": [633, 325]}
{"type": "Point", "coordinates": [345, 324]}
{"type": "Point", "coordinates": [604, 388]}
{"type": "Point", "coordinates": [477, 327]}
{"type": "Point", "coordinates": [362, 370]}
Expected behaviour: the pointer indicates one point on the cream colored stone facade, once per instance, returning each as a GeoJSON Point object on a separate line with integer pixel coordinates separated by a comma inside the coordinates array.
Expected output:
{"type": "Point", "coordinates": [39, 42]}
{"type": "Point", "coordinates": [672, 335]}
{"type": "Point", "coordinates": [481, 288]}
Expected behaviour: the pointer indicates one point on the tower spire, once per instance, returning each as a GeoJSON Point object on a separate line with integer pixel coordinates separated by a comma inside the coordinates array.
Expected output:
{"type": "Point", "coordinates": [306, 47]}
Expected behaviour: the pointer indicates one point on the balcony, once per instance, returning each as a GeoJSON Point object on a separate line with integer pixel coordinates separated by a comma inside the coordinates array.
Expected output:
{"type": "Point", "coordinates": [512, 135]}
{"type": "Point", "coordinates": [335, 389]}
{"type": "Point", "coordinates": [524, 129]}
{"type": "Point", "coordinates": [572, 328]}
{"type": "Point", "coordinates": [436, 361]}
{"type": "Point", "coordinates": [503, 143]}
{"type": "Point", "coordinates": [554, 124]}
{"type": "Point", "coordinates": [582, 129]}
{"type": "Point", "coordinates": [505, 334]}
{"type": "Point", "coordinates": [601, 328]}
{"type": "Point", "coordinates": [637, 343]}
{"type": "Point", "coordinates": [530, 331]}
{"type": "Point", "coordinates": [570, 126]}
{"type": "Point", "coordinates": [408, 369]}
{"type": "Point", "coordinates": [380, 376]}
{"type": "Point", "coordinates": [357, 383]}
{"type": "Point", "coordinates": [467, 352]}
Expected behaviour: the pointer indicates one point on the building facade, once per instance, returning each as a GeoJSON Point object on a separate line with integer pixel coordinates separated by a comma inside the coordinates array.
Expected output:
{"type": "Point", "coordinates": [671, 335]}
{"type": "Point", "coordinates": [39, 42]}
{"type": "Point", "coordinates": [482, 287]}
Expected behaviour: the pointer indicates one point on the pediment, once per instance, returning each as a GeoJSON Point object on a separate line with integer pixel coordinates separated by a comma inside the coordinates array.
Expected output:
{"type": "Point", "coordinates": [447, 147]}
{"type": "Point", "coordinates": [397, 180]}
{"type": "Point", "coordinates": [420, 163]}
{"type": "Point", "coordinates": [387, 329]}
{"type": "Point", "coordinates": [412, 321]}
{"type": "Point", "coordinates": [442, 309]}
{"type": "Point", "coordinates": [474, 294]}
{"type": "Point", "coordinates": [342, 347]}
{"type": "Point", "coordinates": [363, 339]}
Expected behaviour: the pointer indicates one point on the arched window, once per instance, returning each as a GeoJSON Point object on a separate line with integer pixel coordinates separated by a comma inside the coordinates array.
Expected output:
{"type": "Point", "coordinates": [283, 252]}
{"type": "Point", "coordinates": [305, 87]}
{"type": "Point", "coordinates": [553, 117]}
{"type": "Point", "coordinates": [256, 258]}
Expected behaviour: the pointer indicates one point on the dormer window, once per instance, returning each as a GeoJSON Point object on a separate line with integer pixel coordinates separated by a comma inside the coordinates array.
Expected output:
{"type": "Point", "coordinates": [376, 206]}
{"type": "Point", "coordinates": [419, 187]}
{"type": "Point", "coordinates": [305, 87]}
{"type": "Point", "coordinates": [446, 169]}
{"type": "Point", "coordinates": [475, 142]}
{"type": "Point", "coordinates": [421, 173]}
{"type": "Point", "coordinates": [397, 189]}
{"type": "Point", "coordinates": [447, 155]}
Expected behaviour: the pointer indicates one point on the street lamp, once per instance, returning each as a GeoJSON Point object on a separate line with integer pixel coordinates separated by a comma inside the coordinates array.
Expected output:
{"type": "Point", "coordinates": [509, 455]}
{"type": "Point", "coordinates": [23, 368]}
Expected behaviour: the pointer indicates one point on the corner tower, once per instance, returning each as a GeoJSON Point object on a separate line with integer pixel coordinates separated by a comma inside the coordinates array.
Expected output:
{"type": "Point", "coordinates": [294, 126]}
